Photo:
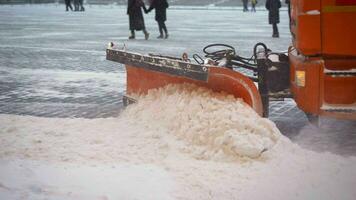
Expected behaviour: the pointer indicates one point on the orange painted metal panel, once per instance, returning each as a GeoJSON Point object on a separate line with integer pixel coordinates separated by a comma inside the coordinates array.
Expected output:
{"type": "Point", "coordinates": [308, 34]}
{"type": "Point", "coordinates": [307, 97]}
{"type": "Point", "coordinates": [339, 28]}
{"type": "Point", "coordinates": [306, 26]}
{"type": "Point", "coordinates": [339, 90]}
{"type": "Point", "coordinates": [345, 2]}
{"type": "Point", "coordinates": [340, 64]}
{"type": "Point", "coordinates": [307, 5]}
{"type": "Point", "coordinates": [339, 33]}
{"type": "Point", "coordinates": [332, 32]}
{"type": "Point", "coordinates": [324, 84]}
{"type": "Point", "coordinates": [220, 80]}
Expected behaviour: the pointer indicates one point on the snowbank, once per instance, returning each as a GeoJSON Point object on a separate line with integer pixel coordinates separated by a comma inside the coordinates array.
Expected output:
{"type": "Point", "coordinates": [176, 143]}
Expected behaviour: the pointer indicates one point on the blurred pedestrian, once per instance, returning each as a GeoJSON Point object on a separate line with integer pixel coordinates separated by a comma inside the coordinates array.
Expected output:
{"type": "Point", "coordinates": [245, 5]}
{"type": "Point", "coordinates": [137, 23]}
{"type": "Point", "coordinates": [290, 20]}
{"type": "Point", "coordinates": [68, 5]}
{"type": "Point", "coordinates": [273, 7]}
{"type": "Point", "coordinates": [161, 7]}
{"type": "Point", "coordinates": [253, 5]}
{"type": "Point", "coordinates": [76, 5]}
{"type": "Point", "coordinates": [81, 5]}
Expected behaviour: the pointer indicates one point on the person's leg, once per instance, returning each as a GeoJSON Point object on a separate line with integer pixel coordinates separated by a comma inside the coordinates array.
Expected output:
{"type": "Point", "coordinates": [132, 34]}
{"type": "Point", "coordinates": [147, 35]}
{"type": "Point", "coordinates": [76, 7]}
{"type": "Point", "coordinates": [67, 6]}
{"type": "Point", "coordinates": [275, 30]}
{"type": "Point", "coordinates": [245, 6]}
{"type": "Point", "coordinates": [165, 30]}
{"type": "Point", "coordinates": [160, 28]}
{"type": "Point", "coordinates": [81, 6]}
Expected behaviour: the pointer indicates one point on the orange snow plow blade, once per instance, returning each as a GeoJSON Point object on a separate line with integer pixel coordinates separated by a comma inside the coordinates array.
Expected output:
{"type": "Point", "coordinates": [149, 72]}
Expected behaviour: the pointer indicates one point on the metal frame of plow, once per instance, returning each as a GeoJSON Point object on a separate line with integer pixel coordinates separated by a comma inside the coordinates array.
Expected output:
{"type": "Point", "coordinates": [145, 72]}
{"type": "Point", "coordinates": [170, 66]}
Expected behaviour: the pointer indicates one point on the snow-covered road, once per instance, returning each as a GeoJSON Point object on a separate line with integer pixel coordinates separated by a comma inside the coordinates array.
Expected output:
{"type": "Point", "coordinates": [52, 63]}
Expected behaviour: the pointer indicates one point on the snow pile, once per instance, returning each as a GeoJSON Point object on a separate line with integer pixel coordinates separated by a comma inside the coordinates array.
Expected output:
{"type": "Point", "coordinates": [143, 155]}
{"type": "Point", "coordinates": [216, 124]}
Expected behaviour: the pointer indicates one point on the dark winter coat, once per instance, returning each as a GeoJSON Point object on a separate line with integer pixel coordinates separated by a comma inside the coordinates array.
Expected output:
{"type": "Point", "coordinates": [273, 7]}
{"type": "Point", "coordinates": [160, 6]}
{"type": "Point", "coordinates": [134, 10]}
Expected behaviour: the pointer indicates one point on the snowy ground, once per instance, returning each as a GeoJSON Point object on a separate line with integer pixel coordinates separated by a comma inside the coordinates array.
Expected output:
{"type": "Point", "coordinates": [156, 151]}
{"type": "Point", "coordinates": [52, 65]}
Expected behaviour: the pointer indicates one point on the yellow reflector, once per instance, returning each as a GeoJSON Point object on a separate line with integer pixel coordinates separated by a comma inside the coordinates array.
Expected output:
{"type": "Point", "coordinates": [300, 78]}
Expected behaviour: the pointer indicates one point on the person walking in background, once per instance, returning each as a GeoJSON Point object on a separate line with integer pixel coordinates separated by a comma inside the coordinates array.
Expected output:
{"type": "Point", "coordinates": [253, 5]}
{"type": "Point", "coordinates": [273, 7]}
{"type": "Point", "coordinates": [68, 5]}
{"type": "Point", "coordinates": [245, 4]}
{"type": "Point", "coordinates": [137, 23]}
{"type": "Point", "coordinates": [160, 6]}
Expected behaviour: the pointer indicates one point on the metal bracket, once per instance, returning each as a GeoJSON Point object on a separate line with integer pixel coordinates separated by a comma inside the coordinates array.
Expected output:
{"type": "Point", "coordinates": [128, 100]}
{"type": "Point", "coordinates": [175, 67]}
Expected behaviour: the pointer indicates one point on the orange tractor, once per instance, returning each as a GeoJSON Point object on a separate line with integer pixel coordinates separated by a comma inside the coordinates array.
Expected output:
{"type": "Point", "coordinates": [319, 72]}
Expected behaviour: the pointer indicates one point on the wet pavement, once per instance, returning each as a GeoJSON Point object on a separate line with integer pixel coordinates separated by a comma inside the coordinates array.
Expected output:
{"type": "Point", "coordinates": [52, 62]}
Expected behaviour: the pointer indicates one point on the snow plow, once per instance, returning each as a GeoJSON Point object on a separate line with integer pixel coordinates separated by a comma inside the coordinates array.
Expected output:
{"type": "Point", "coordinates": [319, 71]}
{"type": "Point", "coordinates": [146, 72]}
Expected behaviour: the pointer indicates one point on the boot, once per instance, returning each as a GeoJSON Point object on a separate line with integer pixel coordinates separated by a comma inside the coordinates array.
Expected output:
{"type": "Point", "coordinates": [166, 37]}
{"type": "Point", "coordinates": [132, 35]}
{"type": "Point", "coordinates": [160, 37]}
{"type": "Point", "coordinates": [275, 31]}
{"type": "Point", "coordinates": [147, 35]}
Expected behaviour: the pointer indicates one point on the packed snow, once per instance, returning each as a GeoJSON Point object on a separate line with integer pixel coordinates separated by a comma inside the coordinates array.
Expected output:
{"type": "Point", "coordinates": [177, 142]}
{"type": "Point", "coordinates": [217, 122]}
